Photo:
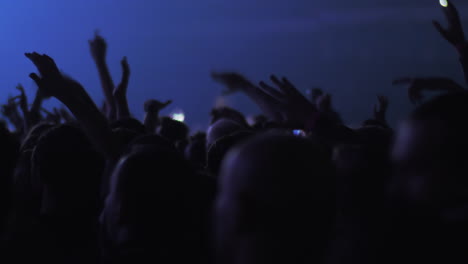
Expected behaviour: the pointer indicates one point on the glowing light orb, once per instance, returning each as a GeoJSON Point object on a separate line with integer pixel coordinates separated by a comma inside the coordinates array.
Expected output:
{"type": "Point", "coordinates": [178, 116]}
{"type": "Point", "coordinates": [444, 3]}
{"type": "Point", "coordinates": [299, 133]}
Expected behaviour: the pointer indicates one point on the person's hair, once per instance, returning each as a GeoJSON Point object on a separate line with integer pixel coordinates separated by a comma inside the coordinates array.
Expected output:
{"type": "Point", "coordinates": [68, 165]}
{"type": "Point", "coordinates": [282, 188]}
{"type": "Point", "coordinates": [34, 134]}
{"type": "Point", "coordinates": [228, 113]}
{"type": "Point", "coordinates": [221, 147]}
{"type": "Point", "coordinates": [173, 130]}
{"type": "Point", "coordinates": [449, 111]}
{"type": "Point", "coordinates": [196, 152]}
{"type": "Point", "coordinates": [158, 195]}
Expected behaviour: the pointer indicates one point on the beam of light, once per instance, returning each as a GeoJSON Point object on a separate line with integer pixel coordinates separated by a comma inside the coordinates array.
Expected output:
{"type": "Point", "coordinates": [443, 3]}
{"type": "Point", "coordinates": [178, 116]}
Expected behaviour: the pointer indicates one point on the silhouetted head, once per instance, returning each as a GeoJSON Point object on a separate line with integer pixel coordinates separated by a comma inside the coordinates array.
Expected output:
{"type": "Point", "coordinates": [222, 128]}
{"type": "Point", "coordinates": [228, 113]}
{"type": "Point", "coordinates": [173, 130]}
{"type": "Point", "coordinates": [151, 207]}
{"type": "Point", "coordinates": [275, 203]}
{"type": "Point", "coordinates": [431, 154]}
{"type": "Point", "coordinates": [34, 134]}
{"type": "Point", "coordinates": [258, 122]}
{"type": "Point", "coordinates": [8, 156]}
{"type": "Point", "coordinates": [196, 152]}
{"type": "Point", "coordinates": [313, 94]}
{"type": "Point", "coordinates": [70, 169]}
{"type": "Point", "coordinates": [221, 147]}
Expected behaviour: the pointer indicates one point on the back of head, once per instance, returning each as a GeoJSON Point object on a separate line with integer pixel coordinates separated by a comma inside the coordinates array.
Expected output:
{"type": "Point", "coordinates": [34, 134]}
{"type": "Point", "coordinates": [173, 130]}
{"type": "Point", "coordinates": [219, 149]}
{"type": "Point", "coordinates": [276, 192]}
{"type": "Point", "coordinates": [195, 152]}
{"type": "Point", "coordinates": [69, 167]}
{"type": "Point", "coordinates": [151, 207]}
{"type": "Point", "coordinates": [228, 113]}
{"type": "Point", "coordinates": [431, 149]}
{"type": "Point", "coordinates": [221, 128]}
{"type": "Point", "coordinates": [8, 156]}
{"type": "Point", "coordinates": [430, 181]}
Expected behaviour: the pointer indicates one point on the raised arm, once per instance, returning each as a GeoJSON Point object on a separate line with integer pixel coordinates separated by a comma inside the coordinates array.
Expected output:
{"type": "Point", "coordinates": [152, 109]}
{"type": "Point", "coordinates": [454, 34]}
{"type": "Point", "coordinates": [120, 92]}
{"type": "Point", "coordinates": [35, 111]}
{"type": "Point", "coordinates": [416, 86]}
{"type": "Point", "coordinates": [380, 110]}
{"type": "Point", "coordinates": [10, 111]}
{"type": "Point", "coordinates": [283, 104]}
{"type": "Point", "coordinates": [75, 97]}
{"type": "Point", "coordinates": [98, 48]}
{"type": "Point", "coordinates": [235, 82]}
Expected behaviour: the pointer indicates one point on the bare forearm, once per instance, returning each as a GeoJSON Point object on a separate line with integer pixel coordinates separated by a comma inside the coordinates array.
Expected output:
{"type": "Point", "coordinates": [107, 85]}
{"type": "Point", "coordinates": [260, 98]}
{"type": "Point", "coordinates": [123, 110]}
{"type": "Point", "coordinates": [94, 123]}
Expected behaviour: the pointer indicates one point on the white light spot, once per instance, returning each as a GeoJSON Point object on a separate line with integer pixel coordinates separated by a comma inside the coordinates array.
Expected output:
{"type": "Point", "coordinates": [299, 133]}
{"type": "Point", "coordinates": [178, 116]}
{"type": "Point", "coordinates": [444, 3]}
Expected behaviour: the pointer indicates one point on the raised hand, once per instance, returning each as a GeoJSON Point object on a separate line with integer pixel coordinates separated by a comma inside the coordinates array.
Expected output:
{"type": "Point", "coordinates": [10, 111]}
{"type": "Point", "coordinates": [152, 108]}
{"type": "Point", "coordinates": [66, 115]}
{"type": "Point", "coordinates": [380, 109]}
{"type": "Point", "coordinates": [324, 103]}
{"type": "Point", "coordinates": [121, 89]}
{"type": "Point", "coordinates": [120, 92]}
{"type": "Point", "coordinates": [53, 117]}
{"type": "Point", "coordinates": [155, 106]}
{"type": "Point", "coordinates": [234, 82]}
{"type": "Point", "coordinates": [417, 85]}
{"type": "Point", "coordinates": [23, 100]}
{"type": "Point", "coordinates": [75, 97]}
{"type": "Point", "coordinates": [454, 32]}
{"type": "Point", "coordinates": [50, 81]}
{"type": "Point", "coordinates": [98, 47]}
{"type": "Point", "coordinates": [294, 108]}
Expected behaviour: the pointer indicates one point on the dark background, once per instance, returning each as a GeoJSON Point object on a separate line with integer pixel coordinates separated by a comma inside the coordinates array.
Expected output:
{"type": "Point", "coordinates": [352, 49]}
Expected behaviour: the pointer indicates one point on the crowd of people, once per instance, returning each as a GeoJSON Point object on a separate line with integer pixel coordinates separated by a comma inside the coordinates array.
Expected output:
{"type": "Point", "coordinates": [88, 184]}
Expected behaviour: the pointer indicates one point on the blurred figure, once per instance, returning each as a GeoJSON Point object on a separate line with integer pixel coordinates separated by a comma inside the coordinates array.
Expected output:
{"type": "Point", "coordinates": [275, 203]}
{"type": "Point", "coordinates": [430, 185]}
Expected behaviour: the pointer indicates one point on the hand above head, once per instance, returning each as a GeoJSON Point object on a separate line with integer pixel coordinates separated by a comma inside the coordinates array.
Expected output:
{"type": "Point", "coordinates": [10, 106]}
{"type": "Point", "coordinates": [234, 82]}
{"type": "Point", "coordinates": [98, 47]}
{"type": "Point", "coordinates": [324, 103]}
{"type": "Point", "coordinates": [380, 109]}
{"type": "Point", "coordinates": [23, 100]}
{"type": "Point", "coordinates": [294, 108]}
{"type": "Point", "coordinates": [120, 92]}
{"type": "Point", "coordinates": [454, 32]}
{"type": "Point", "coordinates": [121, 89]}
{"type": "Point", "coordinates": [154, 106]}
{"type": "Point", "coordinates": [418, 85]}
{"type": "Point", "coordinates": [78, 101]}
{"type": "Point", "coordinates": [51, 81]}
